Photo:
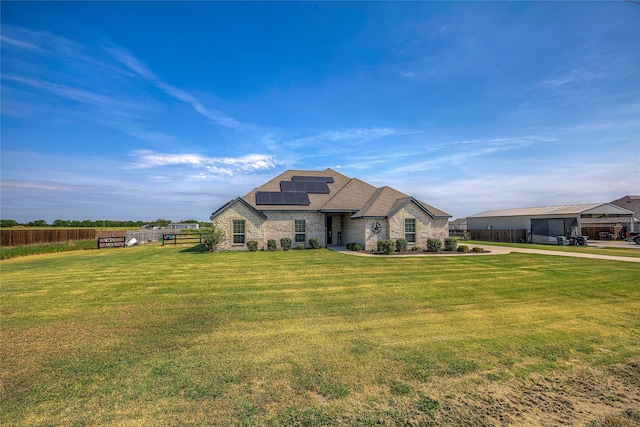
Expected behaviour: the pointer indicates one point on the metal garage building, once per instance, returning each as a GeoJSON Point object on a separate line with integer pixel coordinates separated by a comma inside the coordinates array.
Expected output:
{"type": "Point", "coordinates": [545, 224]}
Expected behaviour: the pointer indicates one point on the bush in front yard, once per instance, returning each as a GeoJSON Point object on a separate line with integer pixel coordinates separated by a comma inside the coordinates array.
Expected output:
{"type": "Point", "coordinates": [314, 242]}
{"type": "Point", "coordinates": [271, 245]}
{"type": "Point", "coordinates": [450, 244]}
{"type": "Point", "coordinates": [285, 242]}
{"type": "Point", "coordinates": [434, 245]}
{"type": "Point", "coordinates": [463, 248]}
{"type": "Point", "coordinates": [401, 245]}
{"type": "Point", "coordinates": [252, 245]}
{"type": "Point", "coordinates": [387, 247]}
{"type": "Point", "coordinates": [212, 237]}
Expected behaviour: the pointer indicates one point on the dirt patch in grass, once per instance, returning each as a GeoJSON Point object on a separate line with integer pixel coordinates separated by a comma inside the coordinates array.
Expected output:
{"type": "Point", "coordinates": [581, 396]}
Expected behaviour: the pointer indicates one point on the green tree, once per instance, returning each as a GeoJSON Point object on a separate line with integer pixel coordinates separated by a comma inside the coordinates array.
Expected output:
{"type": "Point", "coordinates": [161, 222]}
{"type": "Point", "coordinates": [213, 237]}
{"type": "Point", "coordinates": [7, 223]}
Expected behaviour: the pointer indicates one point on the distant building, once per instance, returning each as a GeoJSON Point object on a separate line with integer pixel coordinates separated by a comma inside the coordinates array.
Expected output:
{"type": "Point", "coordinates": [631, 203]}
{"type": "Point", "coordinates": [183, 226]}
{"type": "Point", "coordinates": [545, 224]}
{"type": "Point", "coordinates": [458, 224]}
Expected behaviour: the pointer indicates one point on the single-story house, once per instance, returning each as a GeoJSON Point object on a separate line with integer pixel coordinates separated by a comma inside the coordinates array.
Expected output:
{"type": "Point", "coordinates": [301, 204]}
{"type": "Point", "coordinates": [458, 224]}
{"type": "Point", "coordinates": [631, 203]}
{"type": "Point", "coordinates": [545, 224]}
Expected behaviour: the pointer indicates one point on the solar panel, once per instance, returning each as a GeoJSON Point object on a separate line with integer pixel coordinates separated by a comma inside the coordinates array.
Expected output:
{"type": "Point", "coordinates": [263, 198]}
{"type": "Point", "coordinates": [305, 186]}
{"type": "Point", "coordinates": [317, 187]}
{"type": "Point", "coordinates": [293, 186]}
{"type": "Point", "coordinates": [312, 178]}
{"type": "Point", "coordinates": [282, 198]}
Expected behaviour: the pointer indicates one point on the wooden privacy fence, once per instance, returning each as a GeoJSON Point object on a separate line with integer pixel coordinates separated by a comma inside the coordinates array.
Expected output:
{"type": "Point", "coordinates": [507, 236]}
{"type": "Point", "coordinates": [31, 237]}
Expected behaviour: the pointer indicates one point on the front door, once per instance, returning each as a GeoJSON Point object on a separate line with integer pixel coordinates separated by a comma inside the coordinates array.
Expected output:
{"type": "Point", "coordinates": [329, 230]}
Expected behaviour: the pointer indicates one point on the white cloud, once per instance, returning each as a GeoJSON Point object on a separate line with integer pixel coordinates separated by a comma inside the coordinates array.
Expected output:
{"type": "Point", "coordinates": [214, 166]}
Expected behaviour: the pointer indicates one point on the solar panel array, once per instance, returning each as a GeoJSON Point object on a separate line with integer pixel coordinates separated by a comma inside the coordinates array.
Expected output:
{"type": "Point", "coordinates": [296, 191]}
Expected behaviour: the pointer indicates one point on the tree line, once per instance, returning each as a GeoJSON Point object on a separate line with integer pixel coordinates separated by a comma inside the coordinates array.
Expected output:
{"type": "Point", "coordinates": [87, 223]}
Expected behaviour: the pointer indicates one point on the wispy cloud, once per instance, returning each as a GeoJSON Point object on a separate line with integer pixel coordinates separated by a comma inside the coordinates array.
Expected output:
{"type": "Point", "coordinates": [464, 151]}
{"type": "Point", "coordinates": [355, 135]}
{"type": "Point", "coordinates": [21, 185]}
{"type": "Point", "coordinates": [210, 166]}
{"type": "Point", "coordinates": [10, 41]}
{"type": "Point", "coordinates": [76, 94]}
{"type": "Point", "coordinates": [41, 42]}
{"type": "Point", "coordinates": [134, 64]}
{"type": "Point", "coordinates": [565, 77]}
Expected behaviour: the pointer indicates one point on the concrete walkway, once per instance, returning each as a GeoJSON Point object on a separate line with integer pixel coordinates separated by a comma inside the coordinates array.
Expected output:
{"type": "Point", "coordinates": [497, 250]}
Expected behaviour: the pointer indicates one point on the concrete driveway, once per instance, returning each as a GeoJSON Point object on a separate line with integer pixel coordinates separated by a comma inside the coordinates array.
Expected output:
{"type": "Point", "coordinates": [502, 250]}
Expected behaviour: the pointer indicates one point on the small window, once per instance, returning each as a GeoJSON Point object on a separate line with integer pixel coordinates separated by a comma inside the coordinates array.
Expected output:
{"type": "Point", "coordinates": [410, 230]}
{"type": "Point", "coordinates": [238, 231]}
{"type": "Point", "coordinates": [300, 231]}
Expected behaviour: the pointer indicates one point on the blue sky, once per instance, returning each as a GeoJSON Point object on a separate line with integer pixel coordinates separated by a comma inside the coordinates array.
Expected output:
{"type": "Point", "coordinates": [146, 110]}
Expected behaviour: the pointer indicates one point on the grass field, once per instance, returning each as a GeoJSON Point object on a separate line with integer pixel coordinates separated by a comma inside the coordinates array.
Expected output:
{"type": "Point", "coordinates": [171, 336]}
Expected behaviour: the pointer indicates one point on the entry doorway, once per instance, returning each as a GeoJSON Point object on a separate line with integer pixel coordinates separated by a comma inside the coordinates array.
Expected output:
{"type": "Point", "coordinates": [329, 230]}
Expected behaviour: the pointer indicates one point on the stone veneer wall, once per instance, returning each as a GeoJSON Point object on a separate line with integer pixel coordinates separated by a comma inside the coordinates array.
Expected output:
{"type": "Point", "coordinates": [253, 227]}
{"type": "Point", "coordinates": [352, 230]}
{"type": "Point", "coordinates": [371, 238]}
{"type": "Point", "coordinates": [281, 224]}
{"type": "Point", "coordinates": [426, 227]}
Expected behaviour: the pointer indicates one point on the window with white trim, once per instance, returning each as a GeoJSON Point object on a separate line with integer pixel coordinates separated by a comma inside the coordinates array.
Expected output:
{"type": "Point", "coordinates": [238, 231]}
{"type": "Point", "coordinates": [410, 230]}
{"type": "Point", "coordinates": [300, 230]}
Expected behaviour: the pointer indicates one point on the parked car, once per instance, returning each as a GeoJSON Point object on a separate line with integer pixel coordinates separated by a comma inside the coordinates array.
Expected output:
{"type": "Point", "coordinates": [633, 236]}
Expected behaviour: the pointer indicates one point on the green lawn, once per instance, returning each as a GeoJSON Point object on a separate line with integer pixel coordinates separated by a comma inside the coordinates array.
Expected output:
{"type": "Point", "coordinates": [170, 336]}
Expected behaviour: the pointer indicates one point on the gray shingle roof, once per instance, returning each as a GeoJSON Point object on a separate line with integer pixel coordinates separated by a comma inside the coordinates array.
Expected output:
{"type": "Point", "coordinates": [629, 202]}
{"type": "Point", "coordinates": [345, 195]}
